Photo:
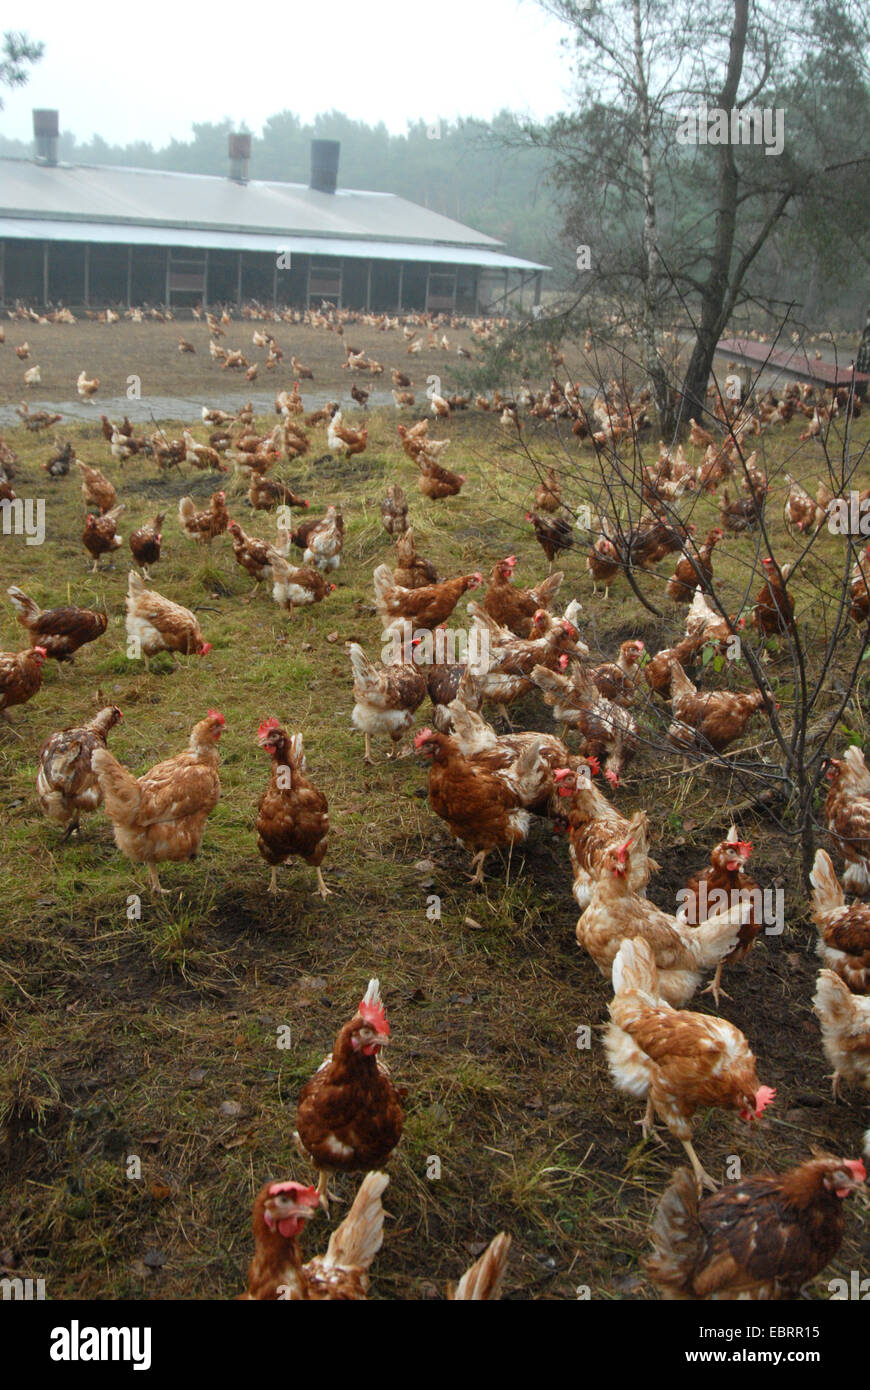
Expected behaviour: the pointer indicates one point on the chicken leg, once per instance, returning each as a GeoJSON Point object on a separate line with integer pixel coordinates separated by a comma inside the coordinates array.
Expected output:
{"type": "Point", "coordinates": [153, 880]}
{"type": "Point", "coordinates": [478, 871]}
{"type": "Point", "coordinates": [702, 1178]}
{"type": "Point", "coordinates": [715, 988]}
{"type": "Point", "coordinates": [321, 886]}
{"type": "Point", "coordinates": [273, 881]}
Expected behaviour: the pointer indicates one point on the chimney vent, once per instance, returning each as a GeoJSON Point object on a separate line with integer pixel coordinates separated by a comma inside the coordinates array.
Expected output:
{"type": "Point", "coordinates": [324, 165]}
{"type": "Point", "coordinates": [240, 157]}
{"type": "Point", "coordinates": [46, 129]}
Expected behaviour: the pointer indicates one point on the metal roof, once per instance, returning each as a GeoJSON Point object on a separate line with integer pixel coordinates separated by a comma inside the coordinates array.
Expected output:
{"type": "Point", "coordinates": [31, 228]}
{"type": "Point", "coordinates": [101, 203]}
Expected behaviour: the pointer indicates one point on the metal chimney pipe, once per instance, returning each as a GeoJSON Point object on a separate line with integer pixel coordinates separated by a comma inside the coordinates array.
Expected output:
{"type": "Point", "coordinates": [46, 131]}
{"type": "Point", "coordinates": [240, 157]}
{"type": "Point", "coordinates": [324, 165]}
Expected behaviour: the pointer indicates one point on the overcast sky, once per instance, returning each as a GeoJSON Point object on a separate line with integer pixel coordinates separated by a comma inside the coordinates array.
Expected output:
{"type": "Point", "coordinates": [131, 71]}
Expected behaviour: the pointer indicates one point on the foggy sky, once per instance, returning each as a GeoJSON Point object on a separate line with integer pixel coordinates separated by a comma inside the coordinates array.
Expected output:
{"type": "Point", "coordinates": [131, 71]}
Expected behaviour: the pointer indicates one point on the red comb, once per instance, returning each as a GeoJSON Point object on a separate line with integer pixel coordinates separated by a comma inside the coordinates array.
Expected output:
{"type": "Point", "coordinates": [266, 728]}
{"type": "Point", "coordinates": [561, 772]}
{"type": "Point", "coordinates": [216, 714]}
{"type": "Point", "coordinates": [856, 1166]}
{"type": "Point", "coordinates": [594, 766]}
{"type": "Point", "coordinates": [372, 1010]}
{"type": "Point", "coordinates": [422, 737]}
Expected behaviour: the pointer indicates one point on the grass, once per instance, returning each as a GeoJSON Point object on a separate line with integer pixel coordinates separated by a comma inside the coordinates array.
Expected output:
{"type": "Point", "coordinates": [157, 1035]}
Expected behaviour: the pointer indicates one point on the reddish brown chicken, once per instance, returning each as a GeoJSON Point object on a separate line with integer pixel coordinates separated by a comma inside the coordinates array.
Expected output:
{"type": "Point", "coordinates": [99, 536]}
{"type": "Point", "coordinates": [145, 544]}
{"type": "Point", "coordinates": [723, 883]}
{"type": "Point", "coordinates": [252, 554]}
{"type": "Point", "coordinates": [424, 608]}
{"type": "Point", "coordinates": [619, 680]}
{"type": "Point", "coordinates": [761, 1239]}
{"type": "Point", "coordinates": [483, 809]}
{"type": "Point", "coordinates": [437, 482]}
{"type": "Point", "coordinates": [604, 564]}
{"type": "Point", "coordinates": [20, 676]}
{"type": "Point", "coordinates": [548, 494]}
{"type": "Point", "coordinates": [205, 525]}
{"type": "Point", "coordinates": [412, 571]}
{"type": "Point", "coordinates": [592, 825]}
{"type": "Point", "coordinates": [693, 569]}
{"type": "Point", "coordinates": [844, 932]}
{"type": "Point", "coordinates": [264, 494]}
{"type": "Point", "coordinates": [162, 814]}
{"type": "Point", "coordinates": [66, 783]}
{"type": "Point", "coordinates": [552, 534]}
{"type": "Point", "coordinates": [60, 631]}
{"type": "Point", "coordinates": [386, 698]}
{"type": "Point", "coordinates": [859, 592]}
{"type": "Point", "coordinates": [774, 607]}
{"type": "Point", "coordinates": [513, 607]}
{"type": "Point", "coordinates": [350, 1117]}
{"type": "Point", "coordinates": [847, 814]}
{"type": "Point", "coordinates": [281, 1210]}
{"type": "Point", "coordinates": [293, 816]}
{"type": "Point", "coordinates": [657, 671]}
{"type": "Point", "coordinates": [708, 720]}
{"type": "Point", "coordinates": [678, 1061]}
{"type": "Point", "coordinates": [608, 732]}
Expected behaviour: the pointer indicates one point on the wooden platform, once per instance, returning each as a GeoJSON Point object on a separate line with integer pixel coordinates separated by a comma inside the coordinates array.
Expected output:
{"type": "Point", "coordinates": [791, 362]}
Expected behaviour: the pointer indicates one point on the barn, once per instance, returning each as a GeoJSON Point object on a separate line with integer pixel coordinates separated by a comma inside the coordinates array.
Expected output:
{"type": "Point", "coordinates": [94, 235]}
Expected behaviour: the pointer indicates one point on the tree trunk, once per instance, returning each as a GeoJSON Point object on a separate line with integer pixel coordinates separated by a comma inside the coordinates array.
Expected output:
{"type": "Point", "coordinates": [655, 369]}
{"type": "Point", "coordinates": [717, 296]}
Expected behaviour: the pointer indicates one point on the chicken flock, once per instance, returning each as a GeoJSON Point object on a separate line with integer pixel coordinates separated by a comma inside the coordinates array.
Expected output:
{"type": "Point", "coordinates": [490, 784]}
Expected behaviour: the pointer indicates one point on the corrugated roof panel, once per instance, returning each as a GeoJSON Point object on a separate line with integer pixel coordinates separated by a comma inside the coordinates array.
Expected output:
{"type": "Point", "coordinates": [141, 235]}
{"type": "Point", "coordinates": [153, 197]}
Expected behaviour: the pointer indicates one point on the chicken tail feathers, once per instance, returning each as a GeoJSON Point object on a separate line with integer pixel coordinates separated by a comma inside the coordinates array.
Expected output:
{"type": "Point", "coordinates": [121, 791]}
{"type": "Point", "coordinates": [358, 1239]}
{"type": "Point", "coordinates": [833, 1002]}
{"type": "Point", "coordinates": [26, 608]}
{"type": "Point", "coordinates": [827, 890]}
{"type": "Point", "coordinates": [485, 1277]}
{"type": "Point", "coordinates": [383, 581]}
{"type": "Point", "coordinates": [634, 970]}
{"type": "Point", "coordinates": [676, 1237]}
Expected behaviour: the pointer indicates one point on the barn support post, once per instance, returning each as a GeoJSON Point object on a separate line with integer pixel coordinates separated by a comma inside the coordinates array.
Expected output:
{"type": "Point", "coordinates": [86, 276]}
{"type": "Point", "coordinates": [275, 285]}
{"type": "Point", "coordinates": [506, 284]}
{"type": "Point", "coordinates": [308, 284]}
{"type": "Point", "coordinates": [44, 274]}
{"type": "Point", "coordinates": [130, 277]}
{"type": "Point", "coordinates": [401, 283]}
{"type": "Point", "coordinates": [239, 281]}
{"type": "Point", "coordinates": [205, 279]}
{"type": "Point", "coordinates": [2, 272]}
{"type": "Point", "coordinates": [428, 273]}
{"type": "Point", "coordinates": [368, 287]}
{"type": "Point", "coordinates": [168, 272]}
{"type": "Point", "coordinates": [538, 282]}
